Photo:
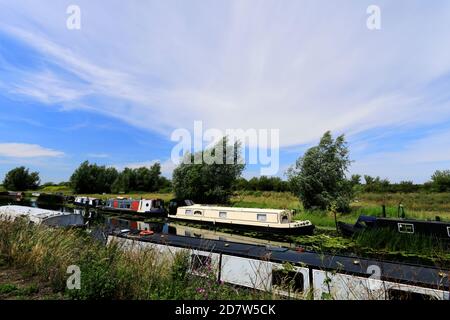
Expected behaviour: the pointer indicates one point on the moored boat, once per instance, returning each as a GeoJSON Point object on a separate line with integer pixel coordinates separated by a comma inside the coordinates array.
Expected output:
{"type": "Point", "coordinates": [42, 216]}
{"type": "Point", "coordinates": [11, 195]}
{"type": "Point", "coordinates": [436, 228]}
{"type": "Point", "coordinates": [87, 201]}
{"type": "Point", "coordinates": [142, 206]}
{"type": "Point", "coordinates": [263, 220]}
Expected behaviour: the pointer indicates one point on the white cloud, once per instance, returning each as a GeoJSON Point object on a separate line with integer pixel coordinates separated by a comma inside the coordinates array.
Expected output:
{"type": "Point", "coordinates": [24, 150]}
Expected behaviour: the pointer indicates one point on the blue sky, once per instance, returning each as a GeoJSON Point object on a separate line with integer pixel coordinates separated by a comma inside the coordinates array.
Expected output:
{"type": "Point", "coordinates": [114, 91]}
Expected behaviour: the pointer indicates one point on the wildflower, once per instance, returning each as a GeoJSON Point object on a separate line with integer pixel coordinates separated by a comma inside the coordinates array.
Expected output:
{"type": "Point", "coordinates": [201, 290]}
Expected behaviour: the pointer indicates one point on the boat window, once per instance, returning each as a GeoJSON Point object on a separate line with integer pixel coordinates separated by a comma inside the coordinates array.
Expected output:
{"type": "Point", "coordinates": [147, 204]}
{"type": "Point", "coordinates": [284, 219]}
{"type": "Point", "coordinates": [187, 233]}
{"type": "Point", "coordinates": [200, 262]}
{"type": "Point", "coordinates": [405, 228]}
{"type": "Point", "coordinates": [262, 217]}
{"type": "Point", "coordinates": [199, 213]}
{"type": "Point", "coordinates": [222, 214]}
{"type": "Point", "coordinates": [395, 294]}
{"type": "Point", "coordinates": [287, 280]}
{"type": "Point", "coordinates": [188, 212]}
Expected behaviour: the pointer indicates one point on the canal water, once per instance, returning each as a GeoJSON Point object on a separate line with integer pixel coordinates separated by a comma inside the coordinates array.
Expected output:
{"type": "Point", "coordinates": [105, 221]}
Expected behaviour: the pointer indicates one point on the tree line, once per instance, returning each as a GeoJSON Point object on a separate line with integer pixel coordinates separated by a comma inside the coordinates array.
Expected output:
{"type": "Point", "coordinates": [92, 178]}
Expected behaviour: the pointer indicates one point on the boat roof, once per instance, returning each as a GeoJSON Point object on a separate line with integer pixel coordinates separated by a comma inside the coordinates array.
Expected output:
{"type": "Point", "coordinates": [36, 215]}
{"type": "Point", "coordinates": [212, 207]}
{"type": "Point", "coordinates": [427, 276]}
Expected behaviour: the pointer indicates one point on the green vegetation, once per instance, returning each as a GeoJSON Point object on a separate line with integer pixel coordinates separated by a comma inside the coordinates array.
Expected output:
{"type": "Point", "coordinates": [318, 177]}
{"type": "Point", "coordinates": [262, 183]}
{"type": "Point", "coordinates": [440, 181]}
{"type": "Point", "coordinates": [141, 179]}
{"type": "Point", "coordinates": [91, 178]}
{"type": "Point", "coordinates": [212, 180]}
{"type": "Point", "coordinates": [107, 272]}
{"type": "Point", "coordinates": [21, 179]}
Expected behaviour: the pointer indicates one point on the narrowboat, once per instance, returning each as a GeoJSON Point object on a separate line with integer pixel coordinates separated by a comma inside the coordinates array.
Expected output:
{"type": "Point", "coordinates": [310, 274]}
{"type": "Point", "coordinates": [263, 220]}
{"type": "Point", "coordinates": [42, 216]}
{"type": "Point", "coordinates": [436, 228]}
{"type": "Point", "coordinates": [11, 195]}
{"type": "Point", "coordinates": [142, 206]}
{"type": "Point", "coordinates": [87, 201]}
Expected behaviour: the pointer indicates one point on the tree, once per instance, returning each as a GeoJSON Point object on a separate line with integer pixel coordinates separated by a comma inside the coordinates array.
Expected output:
{"type": "Point", "coordinates": [441, 181]}
{"type": "Point", "coordinates": [21, 179]}
{"type": "Point", "coordinates": [355, 179]}
{"type": "Point", "coordinates": [91, 178]}
{"type": "Point", "coordinates": [140, 179]}
{"type": "Point", "coordinates": [318, 178]}
{"type": "Point", "coordinates": [209, 182]}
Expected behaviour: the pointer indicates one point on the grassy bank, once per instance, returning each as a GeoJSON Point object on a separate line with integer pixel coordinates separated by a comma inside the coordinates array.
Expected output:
{"type": "Point", "coordinates": [107, 272]}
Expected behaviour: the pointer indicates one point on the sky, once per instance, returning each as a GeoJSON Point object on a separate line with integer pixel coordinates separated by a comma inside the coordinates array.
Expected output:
{"type": "Point", "coordinates": [113, 91]}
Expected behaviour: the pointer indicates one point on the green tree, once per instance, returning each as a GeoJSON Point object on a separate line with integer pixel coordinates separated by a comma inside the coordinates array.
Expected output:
{"type": "Point", "coordinates": [91, 178]}
{"type": "Point", "coordinates": [441, 181]}
{"type": "Point", "coordinates": [319, 177]}
{"type": "Point", "coordinates": [21, 179]}
{"type": "Point", "coordinates": [140, 179]}
{"type": "Point", "coordinates": [125, 181]}
{"type": "Point", "coordinates": [209, 182]}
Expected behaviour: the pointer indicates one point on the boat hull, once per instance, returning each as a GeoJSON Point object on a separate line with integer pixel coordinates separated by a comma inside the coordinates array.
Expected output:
{"type": "Point", "coordinates": [302, 230]}
{"type": "Point", "coordinates": [436, 229]}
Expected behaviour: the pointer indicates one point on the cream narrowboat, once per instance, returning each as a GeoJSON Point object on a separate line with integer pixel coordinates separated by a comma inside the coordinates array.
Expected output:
{"type": "Point", "coordinates": [266, 220]}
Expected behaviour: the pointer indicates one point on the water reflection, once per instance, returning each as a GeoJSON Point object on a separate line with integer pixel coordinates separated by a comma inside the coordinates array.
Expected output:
{"type": "Point", "coordinates": [117, 224]}
{"type": "Point", "coordinates": [100, 222]}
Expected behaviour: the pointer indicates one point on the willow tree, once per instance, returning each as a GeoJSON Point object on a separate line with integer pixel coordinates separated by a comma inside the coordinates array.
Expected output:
{"type": "Point", "coordinates": [208, 176]}
{"type": "Point", "coordinates": [319, 176]}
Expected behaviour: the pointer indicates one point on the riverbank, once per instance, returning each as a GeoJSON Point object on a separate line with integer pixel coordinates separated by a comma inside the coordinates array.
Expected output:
{"type": "Point", "coordinates": [39, 257]}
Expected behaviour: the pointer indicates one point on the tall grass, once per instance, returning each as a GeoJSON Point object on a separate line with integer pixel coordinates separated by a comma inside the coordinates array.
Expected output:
{"type": "Point", "coordinates": [391, 243]}
{"type": "Point", "coordinates": [107, 272]}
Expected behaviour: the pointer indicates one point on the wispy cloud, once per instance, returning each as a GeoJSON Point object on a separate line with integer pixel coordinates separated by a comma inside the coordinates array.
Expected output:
{"type": "Point", "coordinates": [302, 67]}
{"type": "Point", "coordinates": [24, 150]}
{"type": "Point", "coordinates": [98, 155]}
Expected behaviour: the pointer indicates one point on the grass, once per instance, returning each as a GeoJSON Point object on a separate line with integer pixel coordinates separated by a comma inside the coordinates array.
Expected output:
{"type": "Point", "coordinates": [107, 271]}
